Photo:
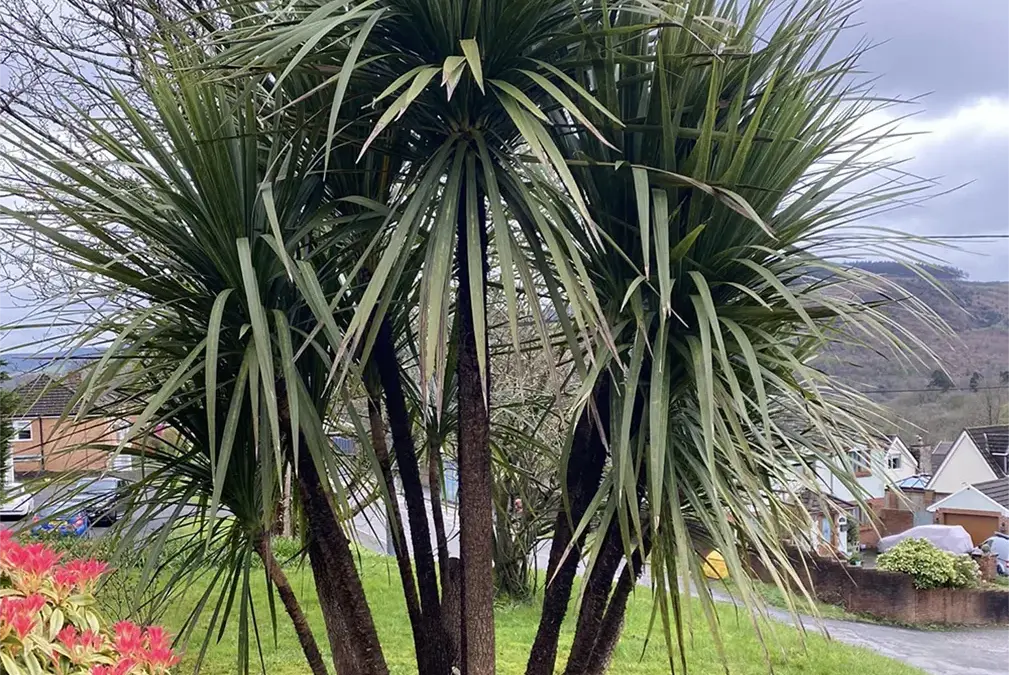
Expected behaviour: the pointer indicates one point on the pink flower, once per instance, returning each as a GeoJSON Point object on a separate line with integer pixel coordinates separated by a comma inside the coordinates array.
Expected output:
{"type": "Point", "coordinates": [129, 640]}
{"type": "Point", "coordinates": [68, 636]}
{"type": "Point", "coordinates": [22, 625]}
{"type": "Point", "coordinates": [121, 668]}
{"type": "Point", "coordinates": [87, 571]}
{"type": "Point", "coordinates": [34, 559]}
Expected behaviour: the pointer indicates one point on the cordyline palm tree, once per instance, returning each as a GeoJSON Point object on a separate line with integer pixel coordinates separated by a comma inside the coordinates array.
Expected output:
{"type": "Point", "coordinates": [498, 69]}
{"type": "Point", "coordinates": [721, 206]}
{"type": "Point", "coordinates": [671, 178]}
{"type": "Point", "coordinates": [205, 231]}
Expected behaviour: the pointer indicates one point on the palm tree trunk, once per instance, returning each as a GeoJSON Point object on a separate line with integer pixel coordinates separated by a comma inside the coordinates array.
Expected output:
{"type": "Point", "coordinates": [433, 661]}
{"type": "Point", "coordinates": [349, 625]}
{"type": "Point", "coordinates": [616, 610]}
{"type": "Point", "coordinates": [434, 481]}
{"type": "Point", "coordinates": [394, 522]}
{"type": "Point", "coordinates": [476, 530]}
{"type": "Point", "coordinates": [594, 599]}
{"type": "Point", "coordinates": [584, 472]}
{"type": "Point", "coordinates": [451, 609]}
{"type": "Point", "coordinates": [287, 596]}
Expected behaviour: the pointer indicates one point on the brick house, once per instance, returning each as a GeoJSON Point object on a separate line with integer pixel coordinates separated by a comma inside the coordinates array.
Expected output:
{"type": "Point", "coordinates": [48, 439]}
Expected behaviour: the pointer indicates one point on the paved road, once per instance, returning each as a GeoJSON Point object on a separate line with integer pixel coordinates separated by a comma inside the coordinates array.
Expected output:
{"type": "Point", "coordinates": [975, 651]}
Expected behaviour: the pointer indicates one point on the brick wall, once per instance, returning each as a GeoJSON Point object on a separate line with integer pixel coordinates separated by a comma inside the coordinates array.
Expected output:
{"type": "Point", "coordinates": [60, 445]}
{"type": "Point", "coordinates": [891, 595]}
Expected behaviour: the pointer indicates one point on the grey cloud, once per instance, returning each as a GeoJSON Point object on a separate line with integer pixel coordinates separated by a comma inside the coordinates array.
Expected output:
{"type": "Point", "coordinates": [955, 49]}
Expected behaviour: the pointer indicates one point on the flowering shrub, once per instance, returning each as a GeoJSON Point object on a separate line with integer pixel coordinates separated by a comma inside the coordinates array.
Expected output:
{"type": "Point", "coordinates": [49, 624]}
{"type": "Point", "coordinates": [930, 566]}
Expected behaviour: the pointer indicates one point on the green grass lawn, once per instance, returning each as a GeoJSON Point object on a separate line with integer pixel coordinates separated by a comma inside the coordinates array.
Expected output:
{"type": "Point", "coordinates": [773, 597]}
{"type": "Point", "coordinates": [516, 626]}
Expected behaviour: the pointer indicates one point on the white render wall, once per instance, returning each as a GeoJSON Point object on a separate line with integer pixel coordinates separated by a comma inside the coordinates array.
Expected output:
{"type": "Point", "coordinates": [964, 465]}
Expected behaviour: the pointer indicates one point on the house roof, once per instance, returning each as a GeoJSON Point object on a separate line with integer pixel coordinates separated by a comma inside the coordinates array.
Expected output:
{"type": "Point", "coordinates": [915, 482]}
{"type": "Point", "coordinates": [968, 488]}
{"type": "Point", "coordinates": [43, 396]}
{"type": "Point", "coordinates": [939, 453]}
{"type": "Point", "coordinates": [993, 442]}
{"type": "Point", "coordinates": [997, 490]}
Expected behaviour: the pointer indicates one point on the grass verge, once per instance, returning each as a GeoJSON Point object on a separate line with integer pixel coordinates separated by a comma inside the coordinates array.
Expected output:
{"type": "Point", "coordinates": [787, 652]}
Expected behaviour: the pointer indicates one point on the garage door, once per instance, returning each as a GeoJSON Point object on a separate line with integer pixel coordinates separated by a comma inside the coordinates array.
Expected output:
{"type": "Point", "coordinates": [979, 526]}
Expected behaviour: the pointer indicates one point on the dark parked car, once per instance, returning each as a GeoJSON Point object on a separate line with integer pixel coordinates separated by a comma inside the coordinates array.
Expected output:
{"type": "Point", "coordinates": [100, 499]}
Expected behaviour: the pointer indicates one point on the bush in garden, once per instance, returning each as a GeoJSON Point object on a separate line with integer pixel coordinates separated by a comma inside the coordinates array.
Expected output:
{"type": "Point", "coordinates": [930, 566]}
{"type": "Point", "coordinates": [49, 622]}
{"type": "Point", "coordinates": [968, 574]}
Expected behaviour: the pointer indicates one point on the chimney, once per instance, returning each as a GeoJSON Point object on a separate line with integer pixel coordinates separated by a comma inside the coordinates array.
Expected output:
{"type": "Point", "coordinates": [923, 455]}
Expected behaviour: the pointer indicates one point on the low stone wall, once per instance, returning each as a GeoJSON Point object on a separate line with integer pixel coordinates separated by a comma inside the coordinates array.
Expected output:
{"type": "Point", "coordinates": [891, 595]}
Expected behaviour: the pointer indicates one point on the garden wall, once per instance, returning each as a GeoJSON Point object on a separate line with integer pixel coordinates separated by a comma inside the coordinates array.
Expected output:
{"type": "Point", "coordinates": [891, 595]}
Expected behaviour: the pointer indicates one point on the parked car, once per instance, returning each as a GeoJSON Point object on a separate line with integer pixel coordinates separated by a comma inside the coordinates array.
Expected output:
{"type": "Point", "coordinates": [56, 518]}
{"type": "Point", "coordinates": [17, 502]}
{"type": "Point", "coordinates": [998, 544]}
{"type": "Point", "coordinates": [99, 499]}
{"type": "Point", "coordinates": [952, 538]}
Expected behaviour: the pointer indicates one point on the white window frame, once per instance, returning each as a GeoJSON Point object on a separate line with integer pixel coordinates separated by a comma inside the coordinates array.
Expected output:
{"type": "Point", "coordinates": [21, 426]}
{"type": "Point", "coordinates": [893, 462]}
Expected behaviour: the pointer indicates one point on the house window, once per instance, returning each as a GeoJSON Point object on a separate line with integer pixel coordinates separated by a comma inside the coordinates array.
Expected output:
{"type": "Point", "coordinates": [22, 430]}
{"type": "Point", "coordinates": [859, 462]}
{"type": "Point", "coordinates": [893, 462]}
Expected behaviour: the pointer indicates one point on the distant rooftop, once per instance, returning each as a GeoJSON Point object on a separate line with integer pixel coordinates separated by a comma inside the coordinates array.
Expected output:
{"type": "Point", "coordinates": [916, 482]}
{"type": "Point", "coordinates": [43, 396]}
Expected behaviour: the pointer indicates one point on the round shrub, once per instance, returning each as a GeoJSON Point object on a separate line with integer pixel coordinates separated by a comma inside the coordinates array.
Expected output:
{"type": "Point", "coordinates": [930, 566]}
{"type": "Point", "coordinates": [49, 622]}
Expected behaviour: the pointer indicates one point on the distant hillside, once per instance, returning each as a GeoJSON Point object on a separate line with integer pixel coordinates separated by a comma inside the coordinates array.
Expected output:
{"type": "Point", "coordinates": [25, 362]}
{"type": "Point", "coordinates": [978, 316]}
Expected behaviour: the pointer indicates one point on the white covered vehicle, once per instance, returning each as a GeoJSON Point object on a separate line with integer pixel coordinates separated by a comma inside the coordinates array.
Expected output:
{"type": "Point", "coordinates": [952, 538]}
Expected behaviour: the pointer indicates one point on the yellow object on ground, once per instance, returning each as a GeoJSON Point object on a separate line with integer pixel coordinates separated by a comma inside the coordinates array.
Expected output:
{"type": "Point", "coordinates": [714, 566]}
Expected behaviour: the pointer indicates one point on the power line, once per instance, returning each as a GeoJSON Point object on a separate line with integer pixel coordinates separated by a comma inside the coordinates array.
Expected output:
{"type": "Point", "coordinates": [938, 389]}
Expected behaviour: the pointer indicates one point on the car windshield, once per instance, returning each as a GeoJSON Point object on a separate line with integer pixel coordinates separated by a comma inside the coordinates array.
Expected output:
{"type": "Point", "coordinates": [55, 510]}
{"type": "Point", "coordinates": [91, 488]}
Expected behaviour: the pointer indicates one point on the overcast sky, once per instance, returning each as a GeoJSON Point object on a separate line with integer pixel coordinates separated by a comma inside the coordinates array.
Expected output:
{"type": "Point", "coordinates": [956, 53]}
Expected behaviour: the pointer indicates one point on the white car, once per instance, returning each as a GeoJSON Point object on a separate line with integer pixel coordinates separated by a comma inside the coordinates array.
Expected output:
{"type": "Point", "coordinates": [999, 545]}
{"type": "Point", "coordinates": [17, 502]}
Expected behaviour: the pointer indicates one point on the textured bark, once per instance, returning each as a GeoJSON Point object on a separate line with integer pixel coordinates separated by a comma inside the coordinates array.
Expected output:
{"type": "Point", "coordinates": [349, 625]}
{"type": "Point", "coordinates": [584, 472]}
{"type": "Point", "coordinates": [301, 626]}
{"type": "Point", "coordinates": [394, 521]}
{"type": "Point", "coordinates": [476, 529]}
{"type": "Point", "coordinates": [433, 661]}
{"type": "Point", "coordinates": [452, 609]}
{"type": "Point", "coordinates": [616, 610]}
{"type": "Point", "coordinates": [594, 599]}
{"type": "Point", "coordinates": [434, 481]}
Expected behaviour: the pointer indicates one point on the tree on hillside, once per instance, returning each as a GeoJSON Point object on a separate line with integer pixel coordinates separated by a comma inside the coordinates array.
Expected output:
{"type": "Point", "coordinates": [940, 380]}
